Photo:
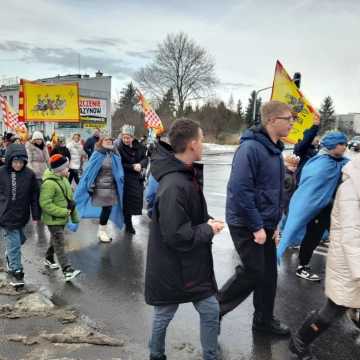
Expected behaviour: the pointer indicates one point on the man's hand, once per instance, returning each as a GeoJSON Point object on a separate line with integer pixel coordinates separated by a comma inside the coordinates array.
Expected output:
{"type": "Point", "coordinates": [276, 236]}
{"type": "Point", "coordinates": [316, 119]}
{"type": "Point", "coordinates": [216, 225]}
{"type": "Point", "coordinates": [260, 236]}
{"type": "Point", "coordinates": [137, 167]}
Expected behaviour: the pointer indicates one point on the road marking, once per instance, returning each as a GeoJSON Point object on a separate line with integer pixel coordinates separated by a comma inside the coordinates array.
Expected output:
{"type": "Point", "coordinates": [319, 252]}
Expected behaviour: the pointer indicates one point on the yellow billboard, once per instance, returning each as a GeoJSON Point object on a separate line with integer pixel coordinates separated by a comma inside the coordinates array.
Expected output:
{"type": "Point", "coordinates": [285, 90]}
{"type": "Point", "coordinates": [41, 102]}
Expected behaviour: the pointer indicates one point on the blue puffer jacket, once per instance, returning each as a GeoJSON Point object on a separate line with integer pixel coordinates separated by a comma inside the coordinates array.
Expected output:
{"type": "Point", "coordinates": [255, 188]}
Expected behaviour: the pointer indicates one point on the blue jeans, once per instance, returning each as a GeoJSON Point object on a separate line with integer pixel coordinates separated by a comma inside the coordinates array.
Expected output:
{"type": "Point", "coordinates": [13, 241]}
{"type": "Point", "coordinates": [208, 310]}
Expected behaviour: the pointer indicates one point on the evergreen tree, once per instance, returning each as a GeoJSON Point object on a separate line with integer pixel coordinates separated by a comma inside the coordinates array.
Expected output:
{"type": "Point", "coordinates": [167, 105]}
{"type": "Point", "coordinates": [240, 111]}
{"type": "Point", "coordinates": [127, 113]}
{"type": "Point", "coordinates": [250, 110]}
{"type": "Point", "coordinates": [327, 115]}
{"type": "Point", "coordinates": [231, 103]}
{"type": "Point", "coordinates": [128, 98]}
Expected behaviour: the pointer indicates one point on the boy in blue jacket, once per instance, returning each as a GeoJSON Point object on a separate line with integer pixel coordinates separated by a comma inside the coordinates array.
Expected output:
{"type": "Point", "coordinates": [253, 212]}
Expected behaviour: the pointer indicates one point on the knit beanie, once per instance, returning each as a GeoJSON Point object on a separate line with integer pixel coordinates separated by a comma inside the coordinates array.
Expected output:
{"type": "Point", "coordinates": [37, 135]}
{"type": "Point", "coordinates": [58, 162]}
{"type": "Point", "coordinates": [332, 139]}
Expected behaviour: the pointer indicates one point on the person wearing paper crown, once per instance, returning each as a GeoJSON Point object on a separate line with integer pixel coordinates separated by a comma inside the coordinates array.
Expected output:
{"type": "Point", "coordinates": [134, 161]}
{"type": "Point", "coordinates": [311, 204]}
{"type": "Point", "coordinates": [100, 190]}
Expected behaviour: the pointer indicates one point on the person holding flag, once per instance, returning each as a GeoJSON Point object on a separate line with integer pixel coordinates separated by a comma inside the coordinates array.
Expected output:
{"type": "Point", "coordinates": [12, 122]}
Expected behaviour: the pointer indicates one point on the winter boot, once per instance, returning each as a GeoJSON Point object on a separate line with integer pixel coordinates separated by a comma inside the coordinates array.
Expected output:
{"type": "Point", "coordinates": [103, 235]}
{"type": "Point", "coordinates": [313, 327]}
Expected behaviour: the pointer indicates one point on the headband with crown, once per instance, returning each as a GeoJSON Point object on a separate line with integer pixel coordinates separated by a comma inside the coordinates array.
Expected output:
{"type": "Point", "coordinates": [128, 130]}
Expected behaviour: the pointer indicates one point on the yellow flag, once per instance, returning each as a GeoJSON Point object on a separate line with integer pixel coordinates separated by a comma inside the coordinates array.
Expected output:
{"type": "Point", "coordinates": [285, 90]}
{"type": "Point", "coordinates": [41, 102]}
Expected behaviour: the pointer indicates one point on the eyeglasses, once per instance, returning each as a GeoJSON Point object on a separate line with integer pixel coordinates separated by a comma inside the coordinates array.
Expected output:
{"type": "Point", "coordinates": [287, 118]}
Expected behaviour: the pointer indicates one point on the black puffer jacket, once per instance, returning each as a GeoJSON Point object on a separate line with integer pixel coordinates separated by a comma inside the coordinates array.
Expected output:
{"type": "Point", "coordinates": [19, 192]}
{"type": "Point", "coordinates": [133, 181]}
{"type": "Point", "coordinates": [179, 260]}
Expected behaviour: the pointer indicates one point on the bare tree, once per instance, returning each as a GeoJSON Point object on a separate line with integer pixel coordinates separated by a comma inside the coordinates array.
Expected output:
{"type": "Point", "coordinates": [182, 65]}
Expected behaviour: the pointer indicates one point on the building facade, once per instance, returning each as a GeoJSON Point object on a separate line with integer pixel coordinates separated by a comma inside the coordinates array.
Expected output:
{"type": "Point", "coordinates": [349, 123]}
{"type": "Point", "coordinates": [95, 105]}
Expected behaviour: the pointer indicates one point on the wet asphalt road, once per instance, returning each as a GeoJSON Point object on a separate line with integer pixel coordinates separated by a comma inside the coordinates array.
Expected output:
{"type": "Point", "coordinates": [110, 290]}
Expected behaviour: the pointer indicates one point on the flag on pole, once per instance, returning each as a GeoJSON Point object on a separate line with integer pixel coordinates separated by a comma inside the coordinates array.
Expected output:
{"type": "Point", "coordinates": [285, 90]}
{"type": "Point", "coordinates": [10, 118]}
{"type": "Point", "coordinates": [152, 120]}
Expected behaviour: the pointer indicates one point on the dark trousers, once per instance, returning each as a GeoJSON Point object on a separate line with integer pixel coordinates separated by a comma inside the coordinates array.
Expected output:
{"type": "Point", "coordinates": [57, 246]}
{"type": "Point", "coordinates": [317, 323]}
{"type": "Point", "coordinates": [128, 220]}
{"type": "Point", "coordinates": [74, 175]}
{"type": "Point", "coordinates": [330, 312]}
{"type": "Point", "coordinates": [314, 233]}
{"type": "Point", "coordinates": [105, 214]}
{"type": "Point", "coordinates": [257, 273]}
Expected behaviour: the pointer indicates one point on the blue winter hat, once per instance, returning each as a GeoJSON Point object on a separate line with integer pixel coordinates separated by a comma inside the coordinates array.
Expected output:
{"type": "Point", "coordinates": [332, 139]}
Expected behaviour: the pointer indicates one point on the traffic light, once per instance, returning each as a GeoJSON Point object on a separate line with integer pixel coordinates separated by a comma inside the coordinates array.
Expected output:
{"type": "Point", "coordinates": [297, 79]}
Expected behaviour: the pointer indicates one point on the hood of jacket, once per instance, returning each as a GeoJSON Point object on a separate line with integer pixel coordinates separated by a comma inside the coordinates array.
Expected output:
{"type": "Point", "coordinates": [15, 150]}
{"type": "Point", "coordinates": [259, 134]}
{"type": "Point", "coordinates": [49, 174]}
{"type": "Point", "coordinates": [164, 162]}
{"type": "Point", "coordinates": [352, 170]}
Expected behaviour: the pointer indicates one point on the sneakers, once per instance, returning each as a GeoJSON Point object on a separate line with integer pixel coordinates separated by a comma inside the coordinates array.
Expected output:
{"type": "Point", "coordinates": [51, 264]}
{"type": "Point", "coordinates": [16, 278]}
{"type": "Point", "coordinates": [274, 327]}
{"type": "Point", "coordinates": [304, 272]}
{"type": "Point", "coordinates": [103, 235]}
{"type": "Point", "coordinates": [71, 274]}
{"type": "Point", "coordinates": [163, 357]}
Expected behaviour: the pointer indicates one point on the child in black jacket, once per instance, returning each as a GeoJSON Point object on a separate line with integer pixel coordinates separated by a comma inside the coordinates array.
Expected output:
{"type": "Point", "coordinates": [19, 193]}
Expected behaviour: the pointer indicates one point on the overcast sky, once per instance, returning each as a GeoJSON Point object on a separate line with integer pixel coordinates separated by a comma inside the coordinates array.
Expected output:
{"type": "Point", "coordinates": [319, 38]}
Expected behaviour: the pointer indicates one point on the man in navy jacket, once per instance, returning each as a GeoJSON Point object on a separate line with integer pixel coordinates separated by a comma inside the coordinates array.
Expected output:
{"type": "Point", "coordinates": [253, 212]}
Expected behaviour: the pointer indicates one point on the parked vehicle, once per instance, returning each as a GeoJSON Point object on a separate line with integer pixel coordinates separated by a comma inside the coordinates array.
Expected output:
{"type": "Point", "coordinates": [354, 143]}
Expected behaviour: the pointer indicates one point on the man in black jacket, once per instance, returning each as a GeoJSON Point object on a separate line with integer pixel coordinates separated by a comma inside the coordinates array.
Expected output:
{"type": "Point", "coordinates": [19, 192]}
{"type": "Point", "coordinates": [308, 147]}
{"type": "Point", "coordinates": [253, 211]}
{"type": "Point", "coordinates": [89, 145]}
{"type": "Point", "coordinates": [179, 259]}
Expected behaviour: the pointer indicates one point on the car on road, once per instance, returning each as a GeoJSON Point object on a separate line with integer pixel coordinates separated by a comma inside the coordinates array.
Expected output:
{"type": "Point", "coordinates": [354, 143]}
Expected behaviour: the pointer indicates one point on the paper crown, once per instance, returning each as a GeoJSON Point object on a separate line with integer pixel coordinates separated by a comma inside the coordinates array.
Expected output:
{"type": "Point", "coordinates": [128, 130]}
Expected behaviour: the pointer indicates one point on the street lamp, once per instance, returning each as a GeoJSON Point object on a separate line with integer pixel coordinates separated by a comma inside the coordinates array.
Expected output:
{"type": "Point", "coordinates": [255, 101]}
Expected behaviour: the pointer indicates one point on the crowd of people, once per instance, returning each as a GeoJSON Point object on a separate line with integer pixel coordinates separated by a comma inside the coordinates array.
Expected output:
{"type": "Point", "coordinates": [274, 201]}
{"type": "Point", "coordinates": [60, 184]}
